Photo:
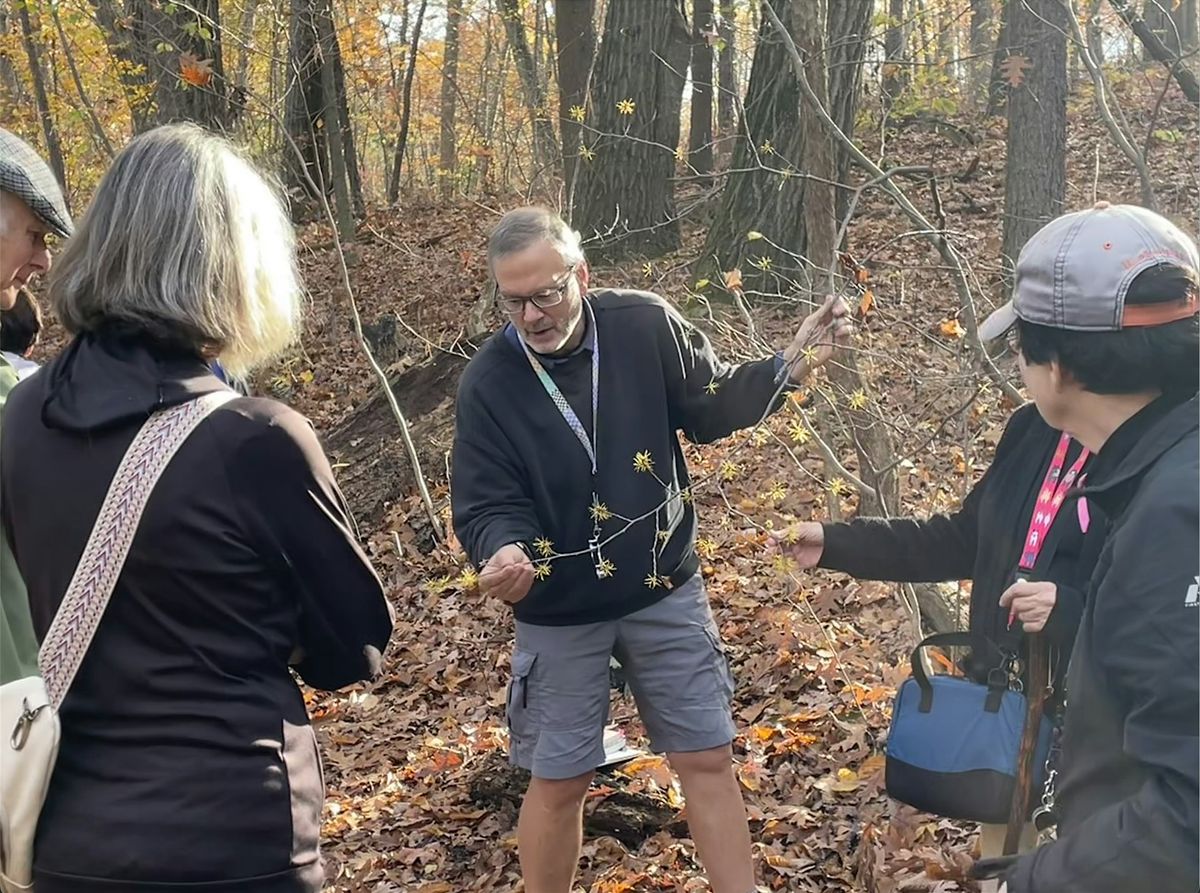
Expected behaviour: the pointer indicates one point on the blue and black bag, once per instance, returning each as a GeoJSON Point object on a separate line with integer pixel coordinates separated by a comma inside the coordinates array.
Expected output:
{"type": "Point", "coordinates": [954, 744]}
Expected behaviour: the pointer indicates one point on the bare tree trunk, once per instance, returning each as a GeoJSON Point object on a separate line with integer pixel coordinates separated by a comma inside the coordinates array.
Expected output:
{"type": "Point", "coordinates": [350, 149]}
{"type": "Point", "coordinates": [980, 46]}
{"type": "Point", "coordinates": [700, 130]}
{"type": "Point", "coordinates": [872, 442]}
{"type": "Point", "coordinates": [576, 39]}
{"type": "Point", "coordinates": [1095, 36]}
{"type": "Point", "coordinates": [37, 73]}
{"type": "Point", "coordinates": [337, 151]}
{"type": "Point", "coordinates": [727, 79]}
{"type": "Point", "coordinates": [758, 196]}
{"type": "Point", "coordinates": [247, 44]}
{"type": "Point", "coordinates": [1036, 174]}
{"type": "Point", "coordinates": [895, 44]}
{"type": "Point", "coordinates": [849, 29]}
{"type": "Point", "coordinates": [545, 144]}
{"type": "Point", "coordinates": [1158, 50]}
{"type": "Point", "coordinates": [185, 84]}
{"type": "Point", "coordinates": [997, 90]}
{"type": "Point", "coordinates": [1184, 16]}
{"type": "Point", "coordinates": [393, 192]}
{"type": "Point", "coordinates": [447, 149]}
{"type": "Point", "coordinates": [626, 193]}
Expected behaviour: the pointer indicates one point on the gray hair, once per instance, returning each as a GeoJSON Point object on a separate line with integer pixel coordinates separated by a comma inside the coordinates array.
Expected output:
{"type": "Point", "coordinates": [522, 227]}
{"type": "Point", "coordinates": [185, 240]}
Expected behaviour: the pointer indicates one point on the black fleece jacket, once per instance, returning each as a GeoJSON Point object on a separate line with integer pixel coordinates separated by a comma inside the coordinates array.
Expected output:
{"type": "Point", "coordinates": [521, 476]}
{"type": "Point", "coordinates": [1129, 780]}
{"type": "Point", "coordinates": [982, 541]}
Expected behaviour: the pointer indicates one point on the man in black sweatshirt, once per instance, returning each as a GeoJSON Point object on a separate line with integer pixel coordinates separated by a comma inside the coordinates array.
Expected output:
{"type": "Point", "coordinates": [571, 494]}
{"type": "Point", "coordinates": [1120, 376]}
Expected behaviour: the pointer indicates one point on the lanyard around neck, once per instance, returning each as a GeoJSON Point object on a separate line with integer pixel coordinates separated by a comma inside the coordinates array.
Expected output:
{"type": "Point", "coordinates": [1050, 499]}
{"type": "Point", "coordinates": [555, 394]}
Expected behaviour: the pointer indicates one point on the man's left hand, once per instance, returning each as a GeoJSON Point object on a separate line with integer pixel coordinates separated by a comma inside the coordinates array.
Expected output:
{"type": "Point", "coordinates": [818, 336]}
{"type": "Point", "coordinates": [1030, 602]}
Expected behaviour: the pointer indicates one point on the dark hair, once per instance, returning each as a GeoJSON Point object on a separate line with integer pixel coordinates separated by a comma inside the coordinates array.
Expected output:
{"type": "Point", "coordinates": [20, 325]}
{"type": "Point", "coordinates": [1130, 361]}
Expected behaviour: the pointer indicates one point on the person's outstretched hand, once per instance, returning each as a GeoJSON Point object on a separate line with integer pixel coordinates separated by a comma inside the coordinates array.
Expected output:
{"type": "Point", "coordinates": [803, 543]}
{"type": "Point", "coordinates": [507, 575]}
{"type": "Point", "coordinates": [818, 336]}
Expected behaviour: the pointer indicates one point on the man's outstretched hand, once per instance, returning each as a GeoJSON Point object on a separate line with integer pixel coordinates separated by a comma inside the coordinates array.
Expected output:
{"type": "Point", "coordinates": [818, 336]}
{"type": "Point", "coordinates": [507, 575]}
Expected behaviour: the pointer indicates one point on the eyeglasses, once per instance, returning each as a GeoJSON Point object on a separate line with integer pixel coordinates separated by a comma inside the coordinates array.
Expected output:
{"type": "Point", "coordinates": [544, 299]}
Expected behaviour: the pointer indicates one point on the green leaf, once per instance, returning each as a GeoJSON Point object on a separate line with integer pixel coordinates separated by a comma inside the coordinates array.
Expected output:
{"type": "Point", "coordinates": [753, 236]}
{"type": "Point", "coordinates": [205, 33]}
{"type": "Point", "coordinates": [701, 284]}
{"type": "Point", "coordinates": [1168, 136]}
{"type": "Point", "coordinates": [721, 45]}
{"type": "Point", "coordinates": [163, 47]}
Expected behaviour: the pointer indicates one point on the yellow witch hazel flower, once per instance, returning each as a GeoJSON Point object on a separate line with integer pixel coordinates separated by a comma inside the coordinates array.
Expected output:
{"type": "Point", "coordinates": [784, 563]}
{"type": "Point", "coordinates": [586, 154]}
{"type": "Point", "coordinates": [706, 548]}
{"type": "Point", "coordinates": [647, 269]}
{"type": "Point", "coordinates": [713, 386]}
{"type": "Point", "coordinates": [605, 569]}
{"type": "Point", "coordinates": [776, 491]}
{"type": "Point", "coordinates": [760, 437]}
{"type": "Point", "coordinates": [798, 432]}
{"type": "Point", "coordinates": [468, 579]}
{"type": "Point", "coordinates": [652, 581]}
{"type": "Point", "coordinates": [663, 535]}
{"type": "Point", "coordinates": [643, 462]}
{"type": "Point", "coordinates": [858, 399]}
{"type": "Point", "coordinates": [626, 106]}
{"type": "Point", "coordinates": [730, 470]}
{"type": "Point", "coordinates": [763, 263]}
{"type": "Point", "coordinates": [681, 155]}
{"type": "Point", "coordinates": [600, 512]}
{"type": "Point", "coordinates": [686, 494]}
{"type": "Point", "coordinates": [838, 487]}
{"type": "Point", "coordinates": [543, 547]}
{"type": "Point", "coordinates": [577, 113]}
{"type": "Point", "coordinates": [541, 570]}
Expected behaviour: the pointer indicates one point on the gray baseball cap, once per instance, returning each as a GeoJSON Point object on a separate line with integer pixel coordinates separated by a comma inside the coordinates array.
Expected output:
{"type": "Point", "coordinates": [25, 175]}
{"type": "Point", "coordinates": [1075, 271]}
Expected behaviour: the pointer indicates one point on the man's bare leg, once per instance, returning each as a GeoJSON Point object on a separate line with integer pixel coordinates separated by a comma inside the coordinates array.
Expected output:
{"type": "Point", "coordinates": [550, 832]}
{"type": "Point", "coordinates": [717, 817]}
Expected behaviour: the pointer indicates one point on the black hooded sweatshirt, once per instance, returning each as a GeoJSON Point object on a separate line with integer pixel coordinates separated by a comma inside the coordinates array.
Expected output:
{"type": "Point", "coordinates": [186, 754]}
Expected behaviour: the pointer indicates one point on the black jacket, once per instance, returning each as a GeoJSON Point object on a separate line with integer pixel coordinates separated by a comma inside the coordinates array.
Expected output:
{"type": "Point", "coordinates": [520, 474]}
{"type": "Point", "coordinates": [186, 754]}
{"type": "Point", "coordinates": [1128, 791]}
{"type": "Point", "coordinates": [982, 541]}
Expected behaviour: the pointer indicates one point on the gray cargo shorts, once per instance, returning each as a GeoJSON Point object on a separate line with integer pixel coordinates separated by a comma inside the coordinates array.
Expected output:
{"type": "Point", "coordinates": [674, 663]}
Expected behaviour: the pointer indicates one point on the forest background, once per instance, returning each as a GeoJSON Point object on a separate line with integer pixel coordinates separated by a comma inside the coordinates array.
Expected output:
{"type": "Point", "coordinates": [741, 157]}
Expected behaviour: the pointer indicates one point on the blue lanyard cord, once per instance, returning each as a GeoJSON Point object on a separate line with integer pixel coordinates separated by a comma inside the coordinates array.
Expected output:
{"type": "Point", "coordinates": [555, 394]}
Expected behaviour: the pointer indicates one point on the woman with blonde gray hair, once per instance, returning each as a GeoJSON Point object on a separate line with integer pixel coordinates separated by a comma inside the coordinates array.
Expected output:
{"type": "Point", "coordinates": [187, 757]}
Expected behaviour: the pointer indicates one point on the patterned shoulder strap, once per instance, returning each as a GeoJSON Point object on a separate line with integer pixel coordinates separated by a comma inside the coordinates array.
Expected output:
{"type": "Point", "coordinates": [71, 632]}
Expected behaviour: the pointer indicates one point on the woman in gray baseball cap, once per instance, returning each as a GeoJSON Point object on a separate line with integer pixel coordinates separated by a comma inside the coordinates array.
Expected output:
{"type": "Point", "coordinates": [1104, 315]}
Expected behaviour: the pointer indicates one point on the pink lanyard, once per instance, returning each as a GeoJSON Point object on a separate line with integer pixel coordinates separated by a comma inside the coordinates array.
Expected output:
{"type": "Point", "coordinates": [1050, 500]}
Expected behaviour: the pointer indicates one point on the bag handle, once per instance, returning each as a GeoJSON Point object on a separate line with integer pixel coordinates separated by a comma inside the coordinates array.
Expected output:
{"type": "Point", "coordinates": [997, 677]}
{"type": "Point", "coordinates": [103, 557]}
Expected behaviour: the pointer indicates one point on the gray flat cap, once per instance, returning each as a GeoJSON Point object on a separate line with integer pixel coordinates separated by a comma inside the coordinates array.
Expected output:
{"type": "Point", "coordinates": [25, 175]}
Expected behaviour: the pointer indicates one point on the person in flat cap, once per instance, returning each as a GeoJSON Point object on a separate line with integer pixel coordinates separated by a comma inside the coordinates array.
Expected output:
{"type": "Point", "coordinates": [31, 207]}
{"type": "Point", "coordinates": [1104, 319]}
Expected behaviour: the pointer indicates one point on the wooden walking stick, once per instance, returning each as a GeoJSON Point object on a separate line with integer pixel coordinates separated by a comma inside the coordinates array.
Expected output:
{"type": "Point", "coordinates": [1038, 675]}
